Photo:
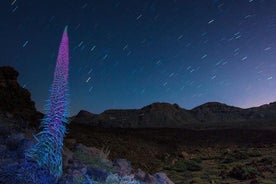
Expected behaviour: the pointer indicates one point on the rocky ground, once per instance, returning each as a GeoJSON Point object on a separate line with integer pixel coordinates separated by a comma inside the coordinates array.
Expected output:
{"type": "Point", "coordinates": [80, 162]}
{"type": "Point", "coordinates": [134, 155]}
{"type": "Point", "coordinates": [190, 156]}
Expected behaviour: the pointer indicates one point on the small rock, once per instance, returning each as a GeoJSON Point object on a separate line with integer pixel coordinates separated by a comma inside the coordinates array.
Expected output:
{"type": "Point", "coordinates": [185, 155]}
{"type": "Point", "coordinates": [174, 161]}
{"type": "Point", "coordinates": [84, 170]}
{"type": "Point", "coordinates": [67, 157]}
{"type": "Point", "coordinates": [140, 175]}
{"type": "Point", "coordinates": [82, 148]}
{"type": "Point", "coordinates": [69, 171]}
{"type": "Point", "coordinates": [77, 164]}
{"type": "Point", "coordinates": [149, 179]}
{"type": "Point", "coordinates": [122, 167]}
{"type": "Point", "coordinates": [76, 172]}
{"type": "Point", "coordinates": [97, 174]}
{"type": "Point", "coordinates": [162, 178]}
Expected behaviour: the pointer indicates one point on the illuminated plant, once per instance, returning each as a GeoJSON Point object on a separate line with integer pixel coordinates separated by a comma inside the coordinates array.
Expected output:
{"type": "Point", "coordinates": [47, 151]}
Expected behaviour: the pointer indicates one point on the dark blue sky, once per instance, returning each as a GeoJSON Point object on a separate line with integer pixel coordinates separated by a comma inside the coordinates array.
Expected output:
{"type": "Point", "coordinates": [128, 54]}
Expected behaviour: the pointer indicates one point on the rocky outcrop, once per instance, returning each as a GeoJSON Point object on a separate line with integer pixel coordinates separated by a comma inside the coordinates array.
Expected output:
{"type": "Point", "coordinates": [14, 99]}
{"type": "Point", "coordinates": [165, 115]}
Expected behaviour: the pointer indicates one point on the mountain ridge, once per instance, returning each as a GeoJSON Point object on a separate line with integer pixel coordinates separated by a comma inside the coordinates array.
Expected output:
{"type": "Point", "coordinates": [166, 115]}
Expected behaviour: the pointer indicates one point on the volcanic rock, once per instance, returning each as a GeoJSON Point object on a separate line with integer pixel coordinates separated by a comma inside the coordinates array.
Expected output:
{"type": "Point", "coordinates": [14, 99]}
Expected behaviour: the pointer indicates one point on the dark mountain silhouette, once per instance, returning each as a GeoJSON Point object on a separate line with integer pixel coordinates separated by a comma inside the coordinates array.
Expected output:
{"type": "Point", "coordinates": [217, 112]}
{"type": "Point", "coordinates": [165, 115]}
{"type": "Point", "coordinates": [14, 99]}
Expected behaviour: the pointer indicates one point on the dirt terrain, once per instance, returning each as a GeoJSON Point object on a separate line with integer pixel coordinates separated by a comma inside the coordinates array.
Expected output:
{"type": "Point", "coordinates": [190, 156]}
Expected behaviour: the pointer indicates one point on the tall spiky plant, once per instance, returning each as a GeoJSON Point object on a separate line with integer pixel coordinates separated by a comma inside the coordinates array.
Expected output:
{"type": "Point", "coordinates": [47, 151]}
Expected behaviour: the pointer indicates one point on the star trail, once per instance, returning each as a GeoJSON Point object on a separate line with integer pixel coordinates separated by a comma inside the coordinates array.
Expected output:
{"type": "Point", "coordinates": [128, 54]}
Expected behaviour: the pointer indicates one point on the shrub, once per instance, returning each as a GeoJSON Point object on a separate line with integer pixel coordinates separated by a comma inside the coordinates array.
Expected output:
{"type": "Point", "coordinates": [242, 172]}
{"type": "Point", "coordinates": [79, 180]}
{"type": "Point", "coordinates": [95, 162]}
{"type": "Point", "coordinates": [230, 157]}
{"type": "Point", "coordinates": [267, 160]}
{"type": "Point", "coordinates": [196, 180]}
{"type": "Point", "coordinates": [197, 160]}
{"type": "Point", "coordinates": [184, 165]}
{"type": "Point", "coordinates": [254, 153]}
{"type": "Point", "coordinates": [105, 151]}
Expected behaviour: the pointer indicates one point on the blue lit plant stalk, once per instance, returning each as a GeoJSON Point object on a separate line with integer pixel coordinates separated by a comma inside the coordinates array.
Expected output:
{"type": "Point", "coordinates": [47, 152]}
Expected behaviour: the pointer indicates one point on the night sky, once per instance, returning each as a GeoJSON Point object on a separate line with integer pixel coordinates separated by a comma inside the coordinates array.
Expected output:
{"type": "Point", "coordinates": [127, 54]}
